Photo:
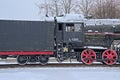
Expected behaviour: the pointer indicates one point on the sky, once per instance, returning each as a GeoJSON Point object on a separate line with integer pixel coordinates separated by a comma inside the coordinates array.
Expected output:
{"type": "Point", "coordinates": [19, 9]}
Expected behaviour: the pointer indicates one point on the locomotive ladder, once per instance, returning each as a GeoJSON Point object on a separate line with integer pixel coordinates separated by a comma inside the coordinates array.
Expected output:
{"type": "Point", "coordinates": [59, 52]}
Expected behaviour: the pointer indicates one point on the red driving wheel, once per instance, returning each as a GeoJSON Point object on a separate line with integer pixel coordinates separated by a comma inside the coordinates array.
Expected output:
{"type": "Point", "coordinates": [109, 57]}
{"type": "Point", "coordinates": [88, 56]}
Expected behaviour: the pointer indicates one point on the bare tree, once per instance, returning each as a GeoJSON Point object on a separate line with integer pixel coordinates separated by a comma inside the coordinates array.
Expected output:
{"type": "Point", "coordinates": [96, 8]}
{"type": "Point", "coordinates": [48, 7]}
{"type": "Point", "coordinates": [85, 6]}
{"type": "Point", "coordinates": [67, 6]}
{"type": "Point", "coordinates": [57, 7]}
{"type": "Point", "coordinates": [43, 7]}
{"type": "Point", "coordinates": [54, 8]}
{"type": "Point", "coordinates": [99, 9]}
{"type": "Point", "coordinates": [106, 9]}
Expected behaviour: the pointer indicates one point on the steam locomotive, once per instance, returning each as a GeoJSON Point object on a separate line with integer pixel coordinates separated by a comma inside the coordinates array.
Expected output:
{"type": "Point", "coordinates": [38, 41]}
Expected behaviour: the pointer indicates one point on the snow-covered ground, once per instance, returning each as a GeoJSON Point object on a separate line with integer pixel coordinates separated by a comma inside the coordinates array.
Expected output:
{"type": "Point", "coordinates": [77, 73]}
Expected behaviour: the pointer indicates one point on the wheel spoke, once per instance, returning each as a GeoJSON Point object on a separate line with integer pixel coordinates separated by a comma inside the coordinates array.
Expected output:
{"type": "Point", "coordinates": [88, 61]}
{"type": "Point", "coordinates": [85, 55]}
{"type": "Point", "coordinates": [93, 56]}
{"type": "Point", "coordinates": [91, 60]}
{"type": "Point", "coordinates": [111, 52]}
{"type": "Point", "coordinates": [112, 61]}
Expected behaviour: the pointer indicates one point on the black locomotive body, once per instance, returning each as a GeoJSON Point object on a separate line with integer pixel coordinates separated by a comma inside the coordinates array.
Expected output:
{"type": "Point", "coordinates": [37, 41]}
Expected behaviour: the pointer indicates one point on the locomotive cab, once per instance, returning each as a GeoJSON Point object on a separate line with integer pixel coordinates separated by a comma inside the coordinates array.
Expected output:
{"type": "Point", "coordinates": [70, 34]}
{"type": "Point", "coordinates": [69, 38]}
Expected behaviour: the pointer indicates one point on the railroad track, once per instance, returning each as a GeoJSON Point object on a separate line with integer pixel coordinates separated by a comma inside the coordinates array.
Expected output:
{"type": "Point", "coordinates": [56, 65]}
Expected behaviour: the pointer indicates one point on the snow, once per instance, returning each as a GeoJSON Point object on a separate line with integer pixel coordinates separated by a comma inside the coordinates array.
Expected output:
{"type": "Point", "coordinates": [74, 17]}
{"type": "Point", "coordinates": [81, 18]}
{"type": "Point", "coordinates": [67, 17]}
{"type": "Point", "coordinates": [76, 73]}
{"type": "Point", "coordinates": [95, 47]}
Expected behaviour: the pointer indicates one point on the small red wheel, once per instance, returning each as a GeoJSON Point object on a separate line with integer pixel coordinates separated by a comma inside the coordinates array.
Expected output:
{"type": "Point", "coordinates": [88, 56]}
{"type": "Point", "coordinates": [109, 57]}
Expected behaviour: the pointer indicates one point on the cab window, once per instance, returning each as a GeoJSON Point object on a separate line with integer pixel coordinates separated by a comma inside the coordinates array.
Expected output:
{"type": "Point", "coordinates": [69, 27]}
{"type": "Point", "coordinates": [73, 27]}
{"type": "Point", "coordinates": [78, 27]}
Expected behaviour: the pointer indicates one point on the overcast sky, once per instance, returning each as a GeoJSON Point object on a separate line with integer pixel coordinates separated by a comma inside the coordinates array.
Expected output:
{"type": "Point", "coordinates": [19, 9]}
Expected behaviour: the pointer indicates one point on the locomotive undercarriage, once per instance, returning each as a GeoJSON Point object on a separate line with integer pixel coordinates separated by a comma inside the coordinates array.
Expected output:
{"type": "Point", "coordinates": [87, 55]}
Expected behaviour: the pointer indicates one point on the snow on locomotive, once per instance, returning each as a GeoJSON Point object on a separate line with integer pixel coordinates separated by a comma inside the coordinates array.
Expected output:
{"type": "Point", "coordinates": [37, 41]}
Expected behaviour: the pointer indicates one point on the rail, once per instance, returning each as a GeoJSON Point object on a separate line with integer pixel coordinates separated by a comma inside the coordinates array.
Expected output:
{"type": "Point", "coordinates": [55, 65]}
